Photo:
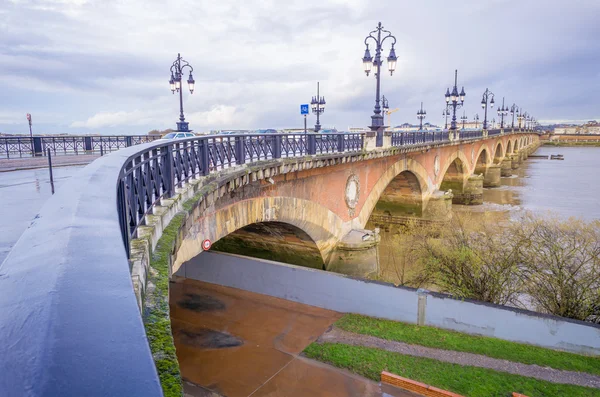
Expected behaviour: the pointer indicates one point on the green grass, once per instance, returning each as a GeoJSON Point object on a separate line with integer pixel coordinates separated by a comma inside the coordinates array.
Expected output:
{"type": "Point", "coordinates": [156, 313]}
{"type": "Point", "coordinates": [450, 340]}
{"type": "Point", "coordinates": [468, 381]}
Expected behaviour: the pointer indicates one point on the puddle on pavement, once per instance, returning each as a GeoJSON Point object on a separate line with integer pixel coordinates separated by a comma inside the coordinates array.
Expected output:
{"type": "Point", "coordinates": [237, 343]}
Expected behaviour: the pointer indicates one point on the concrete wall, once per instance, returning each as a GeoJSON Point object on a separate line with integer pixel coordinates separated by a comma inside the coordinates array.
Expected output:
{"type": "Point", "coordinates": [345, 294]}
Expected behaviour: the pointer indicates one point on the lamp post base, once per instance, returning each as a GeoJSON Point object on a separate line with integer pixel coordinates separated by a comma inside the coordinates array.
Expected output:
{"type": "Point", "coordinates": [377, 127]}
{"type": "Point", "coordinates": [183, 126]}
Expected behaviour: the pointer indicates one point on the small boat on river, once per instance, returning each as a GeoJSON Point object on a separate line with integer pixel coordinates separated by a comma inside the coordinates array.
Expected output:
{"type": "Point", "coordinates": [557, 157]}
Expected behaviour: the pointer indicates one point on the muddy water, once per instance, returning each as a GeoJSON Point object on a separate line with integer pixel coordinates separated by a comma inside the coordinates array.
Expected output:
{"type": "Point", "coordinates": [568, 188]}
{"type": "Point", "coordinates": [237, 343]}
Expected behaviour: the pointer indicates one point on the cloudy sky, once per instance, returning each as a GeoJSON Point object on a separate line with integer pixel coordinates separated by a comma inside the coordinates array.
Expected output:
{"type": "Point", "coordinates": [102, 66]}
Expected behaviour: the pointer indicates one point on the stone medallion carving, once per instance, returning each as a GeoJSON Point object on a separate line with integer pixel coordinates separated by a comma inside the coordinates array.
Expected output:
{"type": "Point", "coordinates": [436, 165]}
{"type": "Point", "coordinates": [352, 193]}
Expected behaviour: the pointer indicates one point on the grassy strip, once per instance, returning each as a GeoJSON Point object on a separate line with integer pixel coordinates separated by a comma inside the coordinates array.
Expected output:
{"type": "Point", "coordinates": [156, 312]}
{"type": "Point", "coordinates": [450, 340]}
{"type": "Point", "coordinates": [465, 380]}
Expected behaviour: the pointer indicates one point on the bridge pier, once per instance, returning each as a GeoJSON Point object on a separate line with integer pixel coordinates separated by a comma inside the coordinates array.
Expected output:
{"type": "Point", "coordinates": [356, 254]}
{"type": "Point", "coordinates": [506, 167]}
{"type": "Point", "coordinates": [439, 206]}
{"type": "Point", "coordinates": [492, 176]}
{"type": "Point", "coordinates": [471, 192]}
{"type": "Point", "coordinates": [515, 160]}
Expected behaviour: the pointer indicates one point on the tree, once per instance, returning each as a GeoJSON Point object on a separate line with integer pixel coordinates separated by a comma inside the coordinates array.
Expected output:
{"type": "Point", "coordinates": [472, 258]}
{"type": "Point", "coordinates": [562, 266]}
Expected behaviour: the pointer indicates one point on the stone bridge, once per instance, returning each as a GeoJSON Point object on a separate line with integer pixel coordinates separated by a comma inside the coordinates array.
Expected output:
{"type": "Point", "coordinates": [328, 200]}
{"type": "Point", "coordinates": [70, 320]}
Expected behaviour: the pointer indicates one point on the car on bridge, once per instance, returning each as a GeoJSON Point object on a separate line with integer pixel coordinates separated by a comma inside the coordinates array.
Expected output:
{"type": "Point", "coordinates": [178, 135]}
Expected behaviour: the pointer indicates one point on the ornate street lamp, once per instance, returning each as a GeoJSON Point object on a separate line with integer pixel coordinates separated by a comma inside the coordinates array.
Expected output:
{"type": "Point", "coordinates": [464, 119]}
{"type": "Point", "coordinates": [513, 109]}
{"type": "Point", "coordinates": [502, 111]}
{"type": "Point", "coordinates": [421, 114]}
{"type": "Point", "coordinates": [452, 99]}
{"type": "Point", "coordinates": [385, 105]}
{"type": "Point", "coordinates": [175, 82]}
{"type": "Point", "coordinates": [520, 116]}
{"type": "Point", "coordinates": [484, 104]}
{"type": "Point", "coordinates": [318, 107]}
{"type": "Point", "coordinates": [446, 113]}
{"type": "Point", "coordinates": [368, 63]}
{"type": "Point", "coordinates": [476, 119]}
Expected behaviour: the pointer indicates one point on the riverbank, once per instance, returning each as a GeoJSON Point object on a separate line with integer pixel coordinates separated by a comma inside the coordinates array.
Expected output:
{"type": "Point", "coordinates": [571, 143]}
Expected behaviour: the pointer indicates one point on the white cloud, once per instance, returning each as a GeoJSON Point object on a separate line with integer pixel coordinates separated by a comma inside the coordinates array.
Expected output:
{"type": "Point", "coordinates": [256, 61]}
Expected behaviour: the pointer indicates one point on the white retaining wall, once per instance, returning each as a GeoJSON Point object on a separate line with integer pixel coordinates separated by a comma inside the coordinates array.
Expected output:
{"type": "Point", "coordinates": [350, 295]}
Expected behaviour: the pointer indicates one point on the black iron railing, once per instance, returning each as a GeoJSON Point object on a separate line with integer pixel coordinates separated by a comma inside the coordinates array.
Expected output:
{"type": "Point", "coordinates": [24, 146]}
{"type": "Point", "coordinates": [154, 174]}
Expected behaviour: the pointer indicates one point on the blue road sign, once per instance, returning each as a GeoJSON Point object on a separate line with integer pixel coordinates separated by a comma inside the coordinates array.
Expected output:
{"type": "Point", "coordinates": [304, 109]}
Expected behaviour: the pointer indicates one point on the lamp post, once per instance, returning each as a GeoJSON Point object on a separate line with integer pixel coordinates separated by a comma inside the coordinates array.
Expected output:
{"type": "Point", "coordinates": [476, 119]}
{"type": "Point", "coordinates": [385, 106]}
{"type": "Point", "coordinates": [484, 104]}
{"type": "Point", "coordinates": [452, 99]}
{"type": "Point", "coordinates": [464, 119]}
{"type": "Point", "coordinates": [502, 111]}
{"type": "Point", "coordinates": [176, 76]}
{"type": "Point", "coordinates": [513, 109]}
{"type": "Point", "coordinates": [421, 114]}
{"type": "Point", "coordinates": [368, 63]}
{"type": "Point", "coordinates": [445, 113]}
{"type": "Point", "coordinates": [520, 116]}
{"type": "Point", "coordinates": [318, 107]}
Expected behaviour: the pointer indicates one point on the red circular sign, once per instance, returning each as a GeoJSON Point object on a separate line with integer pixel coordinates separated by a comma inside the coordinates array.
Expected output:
{"type": "Point", "coordinates": [206, 245]}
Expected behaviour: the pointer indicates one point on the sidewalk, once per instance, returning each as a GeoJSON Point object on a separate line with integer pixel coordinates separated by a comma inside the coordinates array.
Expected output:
{"type": "Point", "coordinates": [27, 163]}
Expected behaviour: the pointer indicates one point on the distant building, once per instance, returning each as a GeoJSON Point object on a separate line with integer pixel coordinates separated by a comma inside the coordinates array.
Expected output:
{"type": "Point", "coordinates": [591, 127]}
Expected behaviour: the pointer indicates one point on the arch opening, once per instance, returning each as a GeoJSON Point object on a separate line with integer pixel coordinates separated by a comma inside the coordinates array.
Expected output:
{"type": "Point", "coordinates": [275, 241]}
{"type": "Point", "coordinates": [454, 177]}
{"type": "Point", "coordinates": [498, 155]}
{"type": "Point", "coordinates": [509, 147]}
{"type": "Point", "coordinates": [403, 196]}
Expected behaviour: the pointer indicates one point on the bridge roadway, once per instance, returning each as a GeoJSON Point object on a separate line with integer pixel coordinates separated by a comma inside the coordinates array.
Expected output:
{"type": "Point", "coordinates": [69, 320]}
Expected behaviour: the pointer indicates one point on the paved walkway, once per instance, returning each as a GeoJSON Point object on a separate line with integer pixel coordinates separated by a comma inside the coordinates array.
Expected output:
{"type": "Point", "coordinates": [237, 343]}
{"type": "Point", "coordinates": [27, 163]}
{"type": "Point", "coordinates": [336, 335]}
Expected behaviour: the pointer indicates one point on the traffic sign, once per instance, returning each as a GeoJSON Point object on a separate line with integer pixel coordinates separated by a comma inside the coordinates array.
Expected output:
{"type": "Point", "coordinates": [206, 245]}
{"type": "Point", "coordinates": [304, 109]}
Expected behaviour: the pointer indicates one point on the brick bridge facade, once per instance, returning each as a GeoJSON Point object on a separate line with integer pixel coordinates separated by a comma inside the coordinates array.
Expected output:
{"type": "Point", "coordinates": [329, 199]}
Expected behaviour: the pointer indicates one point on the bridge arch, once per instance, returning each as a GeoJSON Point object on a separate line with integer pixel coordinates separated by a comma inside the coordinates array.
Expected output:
{"type": "Point", "coordinates": [273, 240]}
{"type": "Point", "coordinates": [516, 146]}
{"type": "Point", "coordinates": [498, 153]}
{"type": "Point", "coordinates": [508, 147]}
{"type": "Point", "coordinates": [484, 157]}
{"type": "Point", "coordinates": [402, 196]}
{"type": "Point", "coordinates": [454, 175]}
{"type": "Point", "coordinates": [413, 173]}
{"type": "Point", "coordinates": [323, 226]}
{"type": "Point", "coordinates": [463, 163]}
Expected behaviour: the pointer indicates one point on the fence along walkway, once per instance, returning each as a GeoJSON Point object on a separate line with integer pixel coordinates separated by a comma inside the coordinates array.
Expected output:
{"type": "Point", "coordinates": [24, 146]}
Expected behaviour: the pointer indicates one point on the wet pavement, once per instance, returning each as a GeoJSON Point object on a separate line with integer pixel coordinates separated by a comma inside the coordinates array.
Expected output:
{"type": "Point", "coordinates": [238, 343]}
{"type": "Point", "coordinates": [23, 194]}
{"type": "Point", "coordinates": [25, 163]}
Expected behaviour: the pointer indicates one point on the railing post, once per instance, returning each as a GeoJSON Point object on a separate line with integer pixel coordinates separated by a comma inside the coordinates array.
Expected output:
{"type": "Point", "coordinates": [87, 143]}
{"type": "Point", "coordinates": [340, 143]}
{"type": "Point", "coordinates": [204, 160]}
{"type": "Point", "coordinates": [240, 153]}
{"type": "Point", "coordinates": [37, 146]}
{"type": "Point", "coordinates": [312, 144]}
{"type": "Point", "coordinates": [168, 170]}
{"type": "Point", "coordinates": [122, 211]}
{"type": "Point", "coordinates": [379, 138]}
{"type": "Point", "coordinates": [127, 141]}
{"type": "Point", "coordinates": [277, 146]}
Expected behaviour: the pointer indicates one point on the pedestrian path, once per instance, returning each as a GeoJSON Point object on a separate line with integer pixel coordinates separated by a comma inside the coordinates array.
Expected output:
{"type": "Point", "coordinates": [336, 335]}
